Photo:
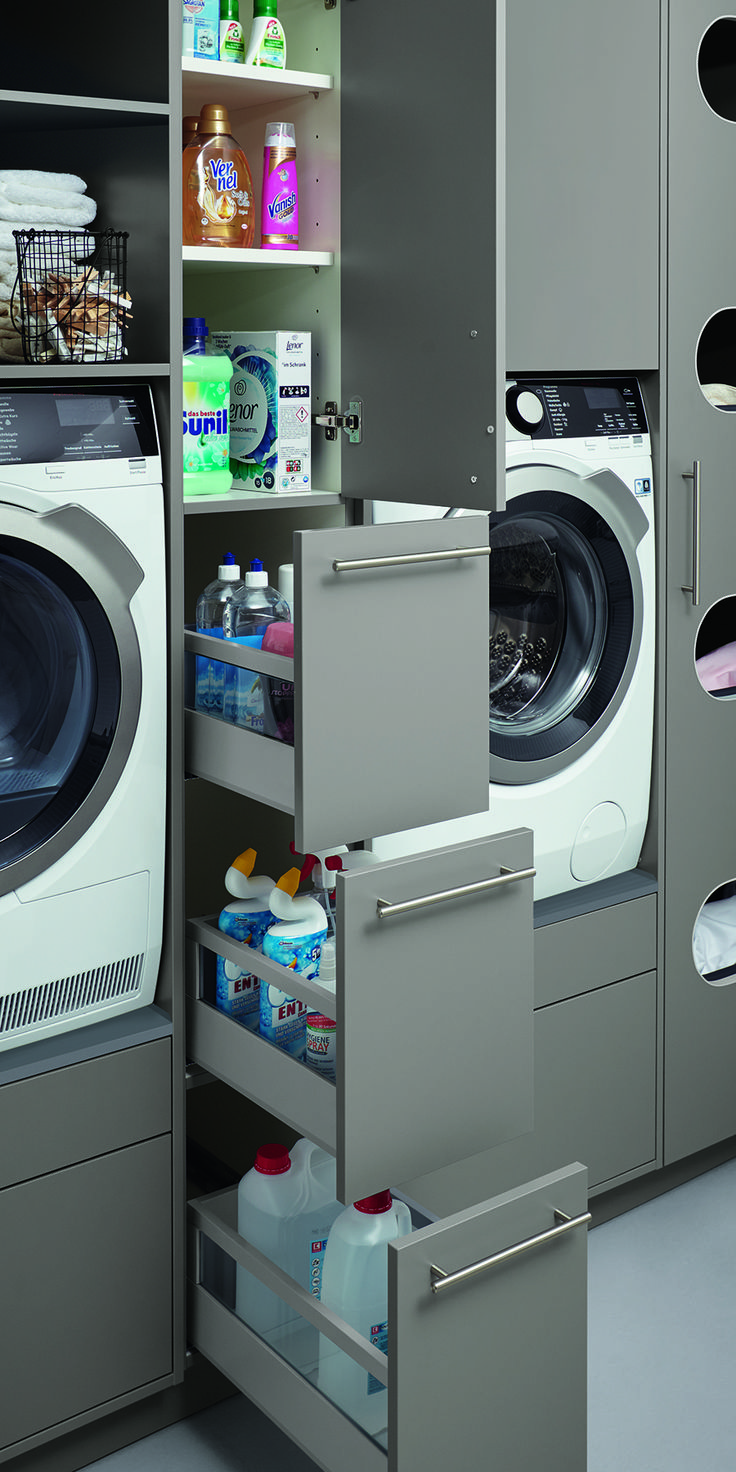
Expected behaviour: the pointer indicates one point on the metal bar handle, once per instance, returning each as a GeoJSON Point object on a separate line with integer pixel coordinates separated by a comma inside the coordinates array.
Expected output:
{"type": "Point", "coordinates": [507, 876]}
{"type": "Point", "coordinates": [407, 557]}
{"type": "Point", "coordinates": [439, 1279]}
{"type": "Point", "coordinates": [694, 586]}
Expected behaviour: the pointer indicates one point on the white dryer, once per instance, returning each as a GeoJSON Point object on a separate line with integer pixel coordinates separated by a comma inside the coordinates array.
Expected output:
{"type": "Point", "coordinates": [82, 706]}
{"type": "Point", "coordinates": [571, 633]}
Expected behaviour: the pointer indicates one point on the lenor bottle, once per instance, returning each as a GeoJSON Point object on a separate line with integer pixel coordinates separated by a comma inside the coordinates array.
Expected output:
{"type": "Point", "coordinates": [217, 185]}
{"type": "Point", "coordinates": [280, 198]}
{"type": "Point", "coordinates": [206, 412]}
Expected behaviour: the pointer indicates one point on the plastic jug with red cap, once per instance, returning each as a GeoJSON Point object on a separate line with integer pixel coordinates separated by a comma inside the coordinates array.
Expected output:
{"type": "Point", "coordinates": [355, 1286]}
{"type": "Point", "coordinates": [286, 1207]}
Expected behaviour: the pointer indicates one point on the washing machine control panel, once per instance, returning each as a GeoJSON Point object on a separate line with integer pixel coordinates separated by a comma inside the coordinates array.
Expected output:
{"type": "Point", "coordinates": [590, 408]}
{"type": "Point", "coordinates": [56, 425]}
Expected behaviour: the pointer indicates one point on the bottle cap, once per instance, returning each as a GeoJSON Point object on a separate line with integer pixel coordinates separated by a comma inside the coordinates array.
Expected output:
{"type": "Point", "coordinates": [195, 327]}
{"type": "Point", "coordinates": [213, 119]}
{"type": "Point", "coordinates": [289, 882]}
{"type": "Point", "coordinates": [189, 126]}
{"type": "Point", "coordinates": [256, 576]}
{"type": "Point", "coordinates": [272, 1160]}
{"type": "Point", "coordinates": [229, 10]}
{"type": "Point", "coordinates": [374, 1205]}
{"type": "Point", "coordinates": [264, 7]}
{"type": "Point", "coordinates": [229, 569]}
{"type": "Point", "coordinates": [285, 584]}
{"type": "Point", "coordinates": [280, 135]}
{"type": "Point", "coordinates": [245, 861]}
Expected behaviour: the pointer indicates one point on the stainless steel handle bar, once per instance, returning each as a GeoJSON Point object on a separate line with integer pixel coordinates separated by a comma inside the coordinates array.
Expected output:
{"type": "Point", "coordinates": [507, 876]}
{"type": "Point", "coordinates": [440, 1279]}
{"type": "Point", "coordinates": [694, 586]}
{"type": "Point", "coordinates": [401, 561]}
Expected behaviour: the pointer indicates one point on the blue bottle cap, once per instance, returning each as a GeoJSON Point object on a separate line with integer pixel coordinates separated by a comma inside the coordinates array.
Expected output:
{"type": "Point", "coordinates": [195, 327]}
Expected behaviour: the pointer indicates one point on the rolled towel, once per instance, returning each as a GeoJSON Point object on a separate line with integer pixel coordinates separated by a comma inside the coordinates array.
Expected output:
{"type": "Point", "coordinates": [49, 216]}
{"type": "Point", "coordinates": [38, 179]}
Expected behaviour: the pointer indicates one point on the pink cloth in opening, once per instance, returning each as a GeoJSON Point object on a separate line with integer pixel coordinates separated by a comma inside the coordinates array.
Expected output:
{"type": "Point", "coordinates": [279, 639]}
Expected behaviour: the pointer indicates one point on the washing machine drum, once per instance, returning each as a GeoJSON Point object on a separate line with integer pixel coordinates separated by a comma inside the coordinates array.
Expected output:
{"type": "Point", "coordinates": [61, 695]}
{"type": "Point", "coordinates": [563, 624]}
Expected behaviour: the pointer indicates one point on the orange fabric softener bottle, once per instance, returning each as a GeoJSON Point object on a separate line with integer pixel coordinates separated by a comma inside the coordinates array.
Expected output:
{"type": "Point", "coordinates": [217, 185]}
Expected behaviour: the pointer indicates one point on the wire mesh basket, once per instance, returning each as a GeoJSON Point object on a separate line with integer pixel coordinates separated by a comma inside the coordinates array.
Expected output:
{"type": "Point", "coordinates": [70, 302]}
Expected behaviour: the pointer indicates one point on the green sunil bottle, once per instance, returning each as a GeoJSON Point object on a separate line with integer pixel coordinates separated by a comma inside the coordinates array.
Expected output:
{"type": "Point", "coordinates": [206, 425]}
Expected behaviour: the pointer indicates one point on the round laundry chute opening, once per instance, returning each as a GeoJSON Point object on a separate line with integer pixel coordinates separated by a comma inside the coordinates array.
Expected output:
{"type": "Point", "coordinates": [714, 937]}
{"type": "Point", "coordinates": [715, 360]}
{"type": "Point", "coordinates": [717, 67]}
{"type": "Point", "coordinates": [715, 650]}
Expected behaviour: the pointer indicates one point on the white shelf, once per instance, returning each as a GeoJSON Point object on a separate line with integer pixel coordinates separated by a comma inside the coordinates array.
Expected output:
{"type": "Point", "coordinates": [242, 500]}
{"type": "Point", "coordinates": [239, 86]}
{"type": "Point", "coordinates": [199, 258]}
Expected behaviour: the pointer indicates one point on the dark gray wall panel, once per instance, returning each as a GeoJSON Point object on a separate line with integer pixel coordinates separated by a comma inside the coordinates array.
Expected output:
{"type": "Point", "coordinates": [583, 191]}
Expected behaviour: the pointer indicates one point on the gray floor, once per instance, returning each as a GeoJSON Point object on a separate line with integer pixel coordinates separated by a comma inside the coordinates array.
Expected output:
{"type": "Point", "coordinates": [662, 1354]}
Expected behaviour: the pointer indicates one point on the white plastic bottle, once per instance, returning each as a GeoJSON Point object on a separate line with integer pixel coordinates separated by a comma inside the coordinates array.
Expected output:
{"type": "Point", "coordinates": [286, 1206]}
{"type": "Point", "coordinates": [211, 675]}
{"type": "Point", "coordinates": [296, 942]}
{"type": "Point", "coordinates": [248, 616]}
{"type": "Point", "coordinates": [355, 1286]}
{"type": "Point", "coordinates": [267, 43]}
{"type": "Point", "coordinates": [246, 920]}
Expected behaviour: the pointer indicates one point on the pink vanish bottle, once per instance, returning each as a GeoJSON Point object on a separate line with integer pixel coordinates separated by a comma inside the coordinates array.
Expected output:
{"type": "Point", "coordinates": [280, 200]}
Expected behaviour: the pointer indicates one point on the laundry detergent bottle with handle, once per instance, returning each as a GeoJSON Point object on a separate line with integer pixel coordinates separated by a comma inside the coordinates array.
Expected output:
{"type": "Point", "coordinates": [295, 941]}
{"type": "Point", "coordinates": [256, 607]}
{"type": "Point", "coordinates": [247, 919]}
{"type": "Point", "coordinates": [286, 1206]}
{"type": "Point", "coordinates": [206, 413]}
{"type": "Point", "coordinates": [355, 1286]}
{"type": "Point", "coordinates": [217, 185]}
{"type": "Point", "coordinates": [212, 676]}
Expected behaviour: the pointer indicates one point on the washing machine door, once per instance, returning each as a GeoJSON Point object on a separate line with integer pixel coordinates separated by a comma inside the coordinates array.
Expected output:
{"type": "Point", "coordinates": [70, 680]}
{"type": "Point", "coordinates": [566, 616]}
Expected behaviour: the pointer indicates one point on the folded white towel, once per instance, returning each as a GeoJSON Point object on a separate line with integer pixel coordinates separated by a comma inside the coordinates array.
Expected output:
{"type": "Point", "coordinates": [48, 216]}
{"type": "Point", "coordinates": [39, 179]}
{"type": "Point", "coordinates": [25, 194]}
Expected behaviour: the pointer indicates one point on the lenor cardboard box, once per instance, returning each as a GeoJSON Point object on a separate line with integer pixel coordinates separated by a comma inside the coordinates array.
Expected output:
{"type": "Point", "coordinates": [270, 408]}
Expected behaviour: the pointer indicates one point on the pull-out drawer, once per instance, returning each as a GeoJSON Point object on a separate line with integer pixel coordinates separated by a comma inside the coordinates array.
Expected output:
{"type": "Point", "coordinates": [433, 1009]}
{"type": "Point", "coordinates": [486, 1362]}
{"type": "Point", "coordinates": [390, 675]}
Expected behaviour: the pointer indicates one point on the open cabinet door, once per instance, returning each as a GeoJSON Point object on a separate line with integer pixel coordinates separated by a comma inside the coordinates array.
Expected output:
{"type": "Point", "coordinates": [422, 228]}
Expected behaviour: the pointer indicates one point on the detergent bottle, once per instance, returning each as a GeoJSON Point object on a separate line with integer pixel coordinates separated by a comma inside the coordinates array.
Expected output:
{"type": "Point", "coordinates": [217, 185]}
{"type": "Point", "coordinates": [249, 616]}
{"type": "Point", "coordinates": [212, 675]}
{"type": "Point", "coordinates": [355, 1286]}
{"type": "Point", "coordinates": [286, 1206]}
{"type": "Point", "coordinates": [206, 413]}
{"type": "Point", "coordinates": [267, 42]}
{"type": "Point", "coordinates": [296, 942]}
{"type": "Point", "coordinates": [246, 920]}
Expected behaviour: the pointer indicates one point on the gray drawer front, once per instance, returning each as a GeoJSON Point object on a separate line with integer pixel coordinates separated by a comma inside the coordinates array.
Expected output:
{"type": "Point", "coordinates": [391, 664]}
{"type": "Point", "coordinates": [492, 1371]}
{"type": "Point", "coordinates": [595, 1074]}
{"type": "Point", "coordinates": [595, 949]}
{"type": "Point", "coordinates": [87, 1109]}
{"type": "Point", "coordinates": [436, 1012]}
{"type": "Point", "coordinates": [85, 1291]}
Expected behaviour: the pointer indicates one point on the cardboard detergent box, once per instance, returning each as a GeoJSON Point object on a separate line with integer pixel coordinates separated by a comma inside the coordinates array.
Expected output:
{"type": "Point", "coordinates": [270, 408]}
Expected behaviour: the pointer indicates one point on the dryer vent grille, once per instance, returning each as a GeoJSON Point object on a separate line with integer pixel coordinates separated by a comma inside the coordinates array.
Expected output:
{"type": "Point", "coordinates": [70, 995]}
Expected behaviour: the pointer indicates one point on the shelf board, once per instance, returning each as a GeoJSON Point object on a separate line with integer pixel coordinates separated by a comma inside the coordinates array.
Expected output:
{"type": "Point", "coordinates": [242, 500]}
{"type": "Point", "coordinates": [10, 372]}
{"type": "Point", "coordinates": [239, 86]}
{"type": "Point", "coordinates": [45, 110]}
{"type": "Point", "coordinates": [200, 258]}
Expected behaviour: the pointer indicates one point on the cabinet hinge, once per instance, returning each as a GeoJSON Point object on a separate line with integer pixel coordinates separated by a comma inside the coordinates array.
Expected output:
{"type": "Point", "coordinates": [331, 421]}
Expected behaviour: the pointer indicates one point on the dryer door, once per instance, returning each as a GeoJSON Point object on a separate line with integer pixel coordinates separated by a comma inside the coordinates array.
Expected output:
{"type": "Point", "coordinates": [70, 681]}
{"type": "Point", "coordinates": [566, 615]}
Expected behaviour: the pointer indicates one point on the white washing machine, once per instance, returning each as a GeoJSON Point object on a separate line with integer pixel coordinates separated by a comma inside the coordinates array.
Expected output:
{"type": "Point", "coordinates": [82, 706]}
{"type": "Point", "coordinates": [571, 633]}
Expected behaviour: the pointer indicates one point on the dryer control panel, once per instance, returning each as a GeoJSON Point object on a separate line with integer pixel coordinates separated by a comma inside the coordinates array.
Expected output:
{"type": "Point", "coordinates": [579, 409]}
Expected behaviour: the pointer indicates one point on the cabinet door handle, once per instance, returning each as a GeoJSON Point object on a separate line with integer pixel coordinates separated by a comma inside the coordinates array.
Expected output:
{"type": "Point", "coordinates": [401, 561]}
{"type": "Point", "coordinates": [507, 876]}
{"type": "Point", "coordinates": [440, 1279]}
{"type": "Point", "coordinates": [694, 586]}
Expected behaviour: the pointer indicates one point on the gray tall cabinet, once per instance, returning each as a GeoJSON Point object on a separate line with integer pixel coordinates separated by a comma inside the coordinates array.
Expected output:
{"type": "Point", "coordinates": [575, 240]}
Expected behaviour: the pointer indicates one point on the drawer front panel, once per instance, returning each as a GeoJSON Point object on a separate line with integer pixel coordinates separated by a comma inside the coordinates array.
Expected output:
{"type": "Point", "coordinates": [592, 950]}
{"type": "Point", "coordinates": [48, 1122]}
{"type": "Point", "coordinates": [85, 1292]}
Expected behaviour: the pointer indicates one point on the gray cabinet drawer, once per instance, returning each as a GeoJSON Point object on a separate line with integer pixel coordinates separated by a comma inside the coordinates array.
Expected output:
{"type": "Point", "coordinates": [463, 1356]}
{"type": "Point", "coordinates": [434, 1015]}
{"type": "Point", "coordinates": [390, 677]}
{"type": "Point", "coordinates": [85, 1289]}
{"type": "Point", "coordinates": [595, 1098]}
{"type": "Point", "coordinates": [83, 1110]}
{"type": "Point", "coordinates": [592, 950]}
